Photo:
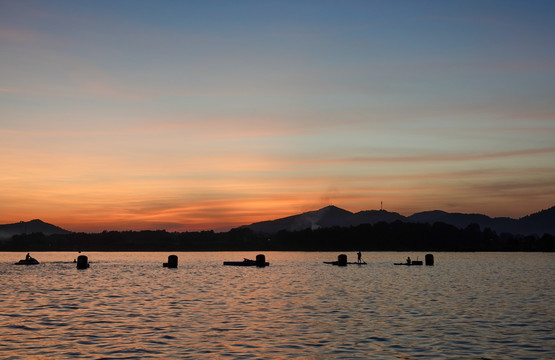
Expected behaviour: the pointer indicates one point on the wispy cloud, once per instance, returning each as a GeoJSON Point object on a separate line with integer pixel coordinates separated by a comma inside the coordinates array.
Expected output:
{"type": "Point", "coordinates": [441, 157]}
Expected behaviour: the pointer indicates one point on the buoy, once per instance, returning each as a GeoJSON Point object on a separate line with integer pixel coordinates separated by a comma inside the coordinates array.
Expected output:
{"type": "Point", "coordinates": [82, 262]}
{"type": "Point", "coordinates": [429, 259]}
{"type": "Point", "coordinates": [342, 260]}
{"type": "Point", "coordinates": [172, 261]}
{"type": "Point", "coordinates": [260, 260]}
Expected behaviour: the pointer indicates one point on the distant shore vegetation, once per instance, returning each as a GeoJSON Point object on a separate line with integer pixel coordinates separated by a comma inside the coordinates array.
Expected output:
{"type": "Point", "coordinates": [382, 236]}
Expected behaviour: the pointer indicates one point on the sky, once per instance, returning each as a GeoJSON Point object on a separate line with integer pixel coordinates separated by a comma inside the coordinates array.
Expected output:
{"type": "Point", "coordinates": [206, 115]}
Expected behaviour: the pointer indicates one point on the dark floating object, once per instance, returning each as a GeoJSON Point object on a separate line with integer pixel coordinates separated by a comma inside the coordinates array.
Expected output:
{"type": "Point", "coordinates": [416, 262]}
{"type": "Point", "coordinates": [342, 261]}
{"type": "Point", "coordinates": [429, 259]}
{"type": "Point", "coordinates": [28, 261]}
{"type": "Point", "coordinates": [172, 262]}
{"type": "Point", "coordinates": [410, 262]}
{"type": "Point", "coordinates": [82, 262]}
{"type": "Point", "coordinates": [259, 262]}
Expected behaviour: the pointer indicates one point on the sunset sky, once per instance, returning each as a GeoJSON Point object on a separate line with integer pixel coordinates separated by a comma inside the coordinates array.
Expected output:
{"type": "Point", "coordinates": [188, 115]}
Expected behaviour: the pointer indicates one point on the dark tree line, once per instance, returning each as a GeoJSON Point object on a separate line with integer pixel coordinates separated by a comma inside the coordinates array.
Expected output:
{"type": "Point", "coordinates": [395, 236]}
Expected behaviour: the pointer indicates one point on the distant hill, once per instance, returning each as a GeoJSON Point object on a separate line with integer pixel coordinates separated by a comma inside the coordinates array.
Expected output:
{"type": "Point", "coordinates": [329, 216]}
{"type": "Point", "coordinates": [544, 219]}
{"type": "Point", "coordinates": [539, 223]}
{"type": "Point", "coordinates": [326, 217]}
{"type": "Point", "coordinates": [327, 229]}
{"type": "Point", "coordinates": [29, 227]}
{"type": "Point", "coordinates": [463, 220]}
{"type": "Point", "coordinates": [375, 216]}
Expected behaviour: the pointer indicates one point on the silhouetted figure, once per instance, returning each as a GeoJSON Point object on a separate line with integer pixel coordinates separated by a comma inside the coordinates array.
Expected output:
{"type": "Point", "coordinates": [359, 257]}
{"type": "Point", "coordinates": [27, 257]}
{"type": "Point", "coordinates": [408, 260]}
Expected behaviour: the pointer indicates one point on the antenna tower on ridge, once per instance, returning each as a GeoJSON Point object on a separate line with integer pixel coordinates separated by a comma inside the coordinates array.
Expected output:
{"type": "Point", "coordinates": [381, 205]}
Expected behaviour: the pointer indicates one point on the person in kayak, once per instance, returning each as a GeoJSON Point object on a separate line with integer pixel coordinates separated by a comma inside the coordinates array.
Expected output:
{"type": "Point", "coordinates": [408, 260]}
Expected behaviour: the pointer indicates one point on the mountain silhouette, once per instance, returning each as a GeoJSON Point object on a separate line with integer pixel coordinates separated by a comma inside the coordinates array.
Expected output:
{"type": "Point", "coordinates": [539, 223]}
{"type": "Point", "coordinates": [29, 227]}
{"type": "Point", "coordinates": [544, 219]}
{"type": "Point", "coordinates": [328, 229]}
{"type": "Point", "coordinates": [461, 220]}
{"type": "Point", "coordinates": [326, 217]}
{"type": "Point", "coordinates": [375, 216]}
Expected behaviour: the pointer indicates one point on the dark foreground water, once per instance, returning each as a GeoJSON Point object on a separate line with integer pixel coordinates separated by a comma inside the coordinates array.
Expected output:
{"type": "Point", "coordinates": [127, 306]}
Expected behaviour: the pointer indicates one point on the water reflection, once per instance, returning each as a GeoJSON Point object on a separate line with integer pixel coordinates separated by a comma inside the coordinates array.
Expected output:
{"type": "Point", "coordinates": [126, 305]}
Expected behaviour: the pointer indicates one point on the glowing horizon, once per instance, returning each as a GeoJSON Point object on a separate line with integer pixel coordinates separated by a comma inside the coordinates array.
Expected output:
{"type": "Point", "coordinates": [204, 116]}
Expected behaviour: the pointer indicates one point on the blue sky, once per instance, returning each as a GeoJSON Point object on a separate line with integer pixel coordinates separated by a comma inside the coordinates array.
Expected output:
{"type": "Point", "coordinates": [212, 114]}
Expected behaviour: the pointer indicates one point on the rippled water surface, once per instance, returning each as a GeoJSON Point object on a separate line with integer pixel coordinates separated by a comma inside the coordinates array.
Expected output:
{"type": "Point", "coordinates": [127, 306]}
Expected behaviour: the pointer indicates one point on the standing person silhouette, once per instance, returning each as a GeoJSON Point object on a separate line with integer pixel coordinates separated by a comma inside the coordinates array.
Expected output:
{"type": "Point", "coordinates": [408, 260]}
{"type": "Point", "coordinates": [359, 257]}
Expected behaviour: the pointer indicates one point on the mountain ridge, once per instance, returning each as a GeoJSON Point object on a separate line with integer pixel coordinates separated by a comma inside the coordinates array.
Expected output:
{"type": "Point", "coordinates": [327, 229]}
{"type": "Point", "coordinates": [537, 223]}
{"type": "Point", "coordinates": [29, 227]}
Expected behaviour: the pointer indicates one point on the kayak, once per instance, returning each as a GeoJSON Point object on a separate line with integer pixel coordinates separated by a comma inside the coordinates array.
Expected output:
{"type": "Point", "coordinates": [31, 261]}
{"type": "Point", "coordinates": [409, 264]}
{"type": "Point", "coordinates": [349, 263]}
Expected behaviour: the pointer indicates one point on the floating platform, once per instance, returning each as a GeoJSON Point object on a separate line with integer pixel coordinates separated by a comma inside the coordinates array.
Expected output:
{"type": "Point", "coordinates": [342, 261]}
{"type": "Point", "coordinates": [31, 261]}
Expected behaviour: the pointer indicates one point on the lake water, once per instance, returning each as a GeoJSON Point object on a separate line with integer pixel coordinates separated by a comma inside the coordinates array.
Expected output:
{"type": "Point", "coordinates": [127, 306]}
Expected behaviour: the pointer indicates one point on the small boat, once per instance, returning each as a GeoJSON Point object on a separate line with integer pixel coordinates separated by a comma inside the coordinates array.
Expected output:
{"type": "Point", "coordinates": [260, 262]}
{"type": "Point", "coordinates": [245, 262]}
{"type": "Point", "coordinates": [30, 261]}
{"type": "Point", "coordinates": [415, 262]}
